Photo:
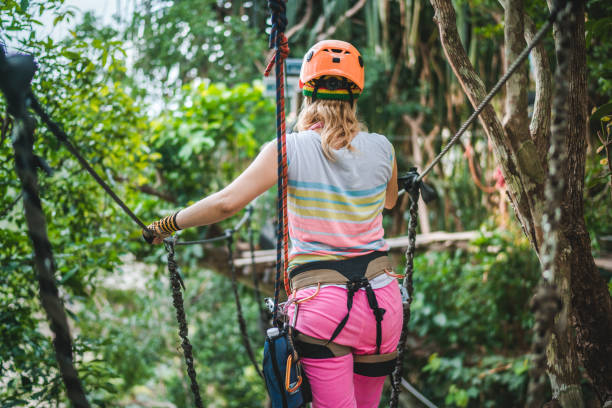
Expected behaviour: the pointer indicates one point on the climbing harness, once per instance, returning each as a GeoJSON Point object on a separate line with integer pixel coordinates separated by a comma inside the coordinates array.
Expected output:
{"type": "Point", "coordinates": [413, 188]}
{"type": "Point", "coordinates": [355, 273]}
{"type": "Point", "coordinates": [15, 75]}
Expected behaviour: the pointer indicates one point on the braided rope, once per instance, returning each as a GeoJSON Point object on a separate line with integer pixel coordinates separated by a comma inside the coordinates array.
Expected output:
{"type": "Point", "coordinates": [241, 322]}
{"type": "Point", "coordinates": [407, 290]}
{"type": "Point", "coordinates": [262, 312]}
{"type": "Point", "coordinates": [279, 42]}
{"type": "Point", "coordinates": [546, 302]}
{"type": "Point", "coordinates": [177, 301]}
{"type": "Point", "coordinates": [43, 259]}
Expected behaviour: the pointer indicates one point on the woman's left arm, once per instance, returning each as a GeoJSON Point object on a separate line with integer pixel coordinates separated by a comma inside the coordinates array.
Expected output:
{"type": "Point", "coordinates": [255, 180]}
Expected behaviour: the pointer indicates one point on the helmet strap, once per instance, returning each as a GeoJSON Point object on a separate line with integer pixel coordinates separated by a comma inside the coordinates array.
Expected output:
{"type": "Point", "coordinates": [350, 91]}
{"type": "Point", "coordinates": [316, 88]}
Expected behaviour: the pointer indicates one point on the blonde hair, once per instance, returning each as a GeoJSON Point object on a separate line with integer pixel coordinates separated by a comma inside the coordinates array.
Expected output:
{"type": "Point", "coordinates": [339, 119]}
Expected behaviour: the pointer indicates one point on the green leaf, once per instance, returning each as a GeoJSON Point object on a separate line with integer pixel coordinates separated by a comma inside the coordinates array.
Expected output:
{"type": "Point", "coordinates": [598, 116]}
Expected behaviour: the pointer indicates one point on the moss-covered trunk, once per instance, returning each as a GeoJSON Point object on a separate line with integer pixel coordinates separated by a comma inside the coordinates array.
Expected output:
{"type": "Point", "coordinates": [521, 152]}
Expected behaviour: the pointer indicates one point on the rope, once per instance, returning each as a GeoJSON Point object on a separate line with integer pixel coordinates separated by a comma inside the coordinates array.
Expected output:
{"type": "Point", "coordinates": [263, 317]}
{"type": "Point", "coordinates": [279, 42]}
{"type": "Point", "coordinates": [177, 300]}
{"type": "Point", "coordinates": [407, 291]}
{"type": "Point", "coordinates": [547, 302]}
{"type": "Point", "coordinates": [63, 138]}
{"type": "Point", "coordinates": [241, 323]}
{"type": "Point", "coordinates": [520, 59]}
{"type": "Point", "coordinates": [15, 75]}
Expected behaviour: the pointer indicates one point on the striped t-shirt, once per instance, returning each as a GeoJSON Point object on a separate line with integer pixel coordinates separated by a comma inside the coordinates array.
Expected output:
{"type": "Point", "coordinates": [335, 207]}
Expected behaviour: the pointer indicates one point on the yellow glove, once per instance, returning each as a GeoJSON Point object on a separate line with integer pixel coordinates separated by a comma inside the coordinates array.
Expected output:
{"type": "Point", "coordinates": [156, 232]}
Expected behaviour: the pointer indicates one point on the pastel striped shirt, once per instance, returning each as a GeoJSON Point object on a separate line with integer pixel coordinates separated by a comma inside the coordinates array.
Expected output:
{"type": "Point", "coordinates": [335, 207]}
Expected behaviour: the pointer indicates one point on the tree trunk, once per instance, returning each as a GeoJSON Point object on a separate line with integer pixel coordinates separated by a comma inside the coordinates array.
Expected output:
{"type": "Point", "coordinates": [521, 157]}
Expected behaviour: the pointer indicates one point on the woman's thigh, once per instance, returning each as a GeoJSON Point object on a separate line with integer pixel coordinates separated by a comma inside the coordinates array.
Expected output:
{"type": "Point", "coordinates": [331, 381]}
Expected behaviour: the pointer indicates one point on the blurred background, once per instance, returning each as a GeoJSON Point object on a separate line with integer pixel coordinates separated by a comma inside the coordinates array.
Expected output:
{"type": "Point", "coordinates": [167, 99]}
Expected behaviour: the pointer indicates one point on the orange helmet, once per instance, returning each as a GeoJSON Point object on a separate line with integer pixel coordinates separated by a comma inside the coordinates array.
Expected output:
{"type": "Point", "coordinates": [333, 59]}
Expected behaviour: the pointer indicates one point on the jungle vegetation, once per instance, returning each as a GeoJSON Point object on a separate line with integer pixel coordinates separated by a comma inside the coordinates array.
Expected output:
{"type": "Point", "coordinates": [168, 104]}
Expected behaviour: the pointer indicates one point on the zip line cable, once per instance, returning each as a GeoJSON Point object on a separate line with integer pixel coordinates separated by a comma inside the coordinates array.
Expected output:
{"type": "Point", "coordinates": [502, 81]}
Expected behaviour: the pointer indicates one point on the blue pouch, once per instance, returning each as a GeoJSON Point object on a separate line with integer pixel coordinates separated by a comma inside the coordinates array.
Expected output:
{"type": "Point", "coordinates": [286, 390]}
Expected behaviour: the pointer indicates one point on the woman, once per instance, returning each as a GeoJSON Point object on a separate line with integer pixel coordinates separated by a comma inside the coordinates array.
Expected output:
{"type": "Point", "coordinates": [340, 178]}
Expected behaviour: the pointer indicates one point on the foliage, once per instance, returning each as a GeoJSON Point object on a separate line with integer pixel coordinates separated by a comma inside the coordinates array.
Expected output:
{"type": "Point", "coordinates": [73, 82]}
{"type": "Point", "coordinates": [207, 134]}
{"type": "Point", "coordinates": [178, 42]}
{"type": "Point", "coordinates": [470, 315]}
{"type": "Point", "coordinates": [599, 29]}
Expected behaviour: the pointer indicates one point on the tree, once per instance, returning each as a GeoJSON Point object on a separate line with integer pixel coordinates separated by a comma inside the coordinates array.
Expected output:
{"type": "Point", "coordinates": [521, 151]}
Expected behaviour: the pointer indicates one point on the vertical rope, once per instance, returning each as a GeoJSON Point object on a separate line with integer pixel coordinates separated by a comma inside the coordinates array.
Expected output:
{"type": "Point", "coordinates": [258, 299]}
{"type": "Point", "coordinates": [407, 291]}
{"type": "Point", "coordinates": [16, 73]}
{"type": "Point", "coordinates": [241, 323]}
{"type": "Point", "coordinates": [279, 42]}
{"type": "Point", "coordinates": [25, 165]}
{"type": "Point", "coordinates": [546, 302]}
{"type": "Point", "coordinates": [177, 301]}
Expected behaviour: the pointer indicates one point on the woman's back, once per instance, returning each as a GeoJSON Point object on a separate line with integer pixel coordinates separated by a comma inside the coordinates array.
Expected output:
{"type": "Point", "coordinates": [335, 206]}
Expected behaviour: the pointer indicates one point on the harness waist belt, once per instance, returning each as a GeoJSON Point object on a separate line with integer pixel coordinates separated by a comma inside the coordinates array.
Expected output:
{"type": "Point", "coordinates": [355, 273]}
{"type": "Point", "coordinates": [340, 272]}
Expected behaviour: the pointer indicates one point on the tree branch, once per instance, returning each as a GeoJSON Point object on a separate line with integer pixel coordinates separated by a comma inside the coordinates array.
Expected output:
{"type": "Point", "coordinates": [147, 189]}
{"type": "Point", "coordinates": [525, 177]}
{"type": "Point", "coordinates": [349, 13]}
{"type": "Point", "coordinates": [515, 119]}
{"type": "Point", "coordinates": [540, 120]}
{"type": "Point", "coordinates": [302, 22]}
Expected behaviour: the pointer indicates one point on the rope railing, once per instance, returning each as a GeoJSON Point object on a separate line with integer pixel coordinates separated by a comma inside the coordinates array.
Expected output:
{"type": "Point", "coordinates": [15, 76]}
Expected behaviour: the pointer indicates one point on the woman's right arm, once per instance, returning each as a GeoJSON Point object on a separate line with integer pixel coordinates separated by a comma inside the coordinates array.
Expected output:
{"type": "Point", "coordinates": [391, 196]}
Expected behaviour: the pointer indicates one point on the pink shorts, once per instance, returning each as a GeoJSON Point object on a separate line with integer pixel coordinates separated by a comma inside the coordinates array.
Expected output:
{"type": "Point", "coordinates": [332, 380]}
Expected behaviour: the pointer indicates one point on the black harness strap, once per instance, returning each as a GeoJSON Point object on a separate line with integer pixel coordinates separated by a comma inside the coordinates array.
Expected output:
{"type": "Point", "coordinates": [353, 269]}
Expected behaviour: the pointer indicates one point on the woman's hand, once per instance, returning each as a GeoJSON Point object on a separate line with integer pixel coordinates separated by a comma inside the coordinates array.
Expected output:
{"type": "Point", "coordinates": [156, 232]}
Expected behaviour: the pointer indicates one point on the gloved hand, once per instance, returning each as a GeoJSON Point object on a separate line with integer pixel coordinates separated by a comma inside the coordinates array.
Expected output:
{"type": "Point", "coordinates": [407, 181]}
{"type": "Point", "coordinates": [157, 231]}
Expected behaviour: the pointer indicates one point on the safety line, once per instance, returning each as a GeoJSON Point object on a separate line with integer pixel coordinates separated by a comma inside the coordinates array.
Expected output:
{"type": "Point", "coordinates": [62, 137]}
{"type": "Point", "coordinates": [241, 322]}
{"type": "Point", "coordinates": [519, 60]}
{"type": "Point", "coordinates": [417, 394]}
{"type": "Point", "coordinates": [43, 261]}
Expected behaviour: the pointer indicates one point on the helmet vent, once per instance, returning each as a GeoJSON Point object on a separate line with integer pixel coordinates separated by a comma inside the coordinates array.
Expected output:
{"type": "Point", "coordinates": [337, 50]}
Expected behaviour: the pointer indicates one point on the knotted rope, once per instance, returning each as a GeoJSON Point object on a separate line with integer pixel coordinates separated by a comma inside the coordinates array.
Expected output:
{"type": "Point", "coordinates": [413, 188]}
{"type": "Point", "coordinates": [16, 72]}
{"type": "Point", "coordinates": [177, 300]}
